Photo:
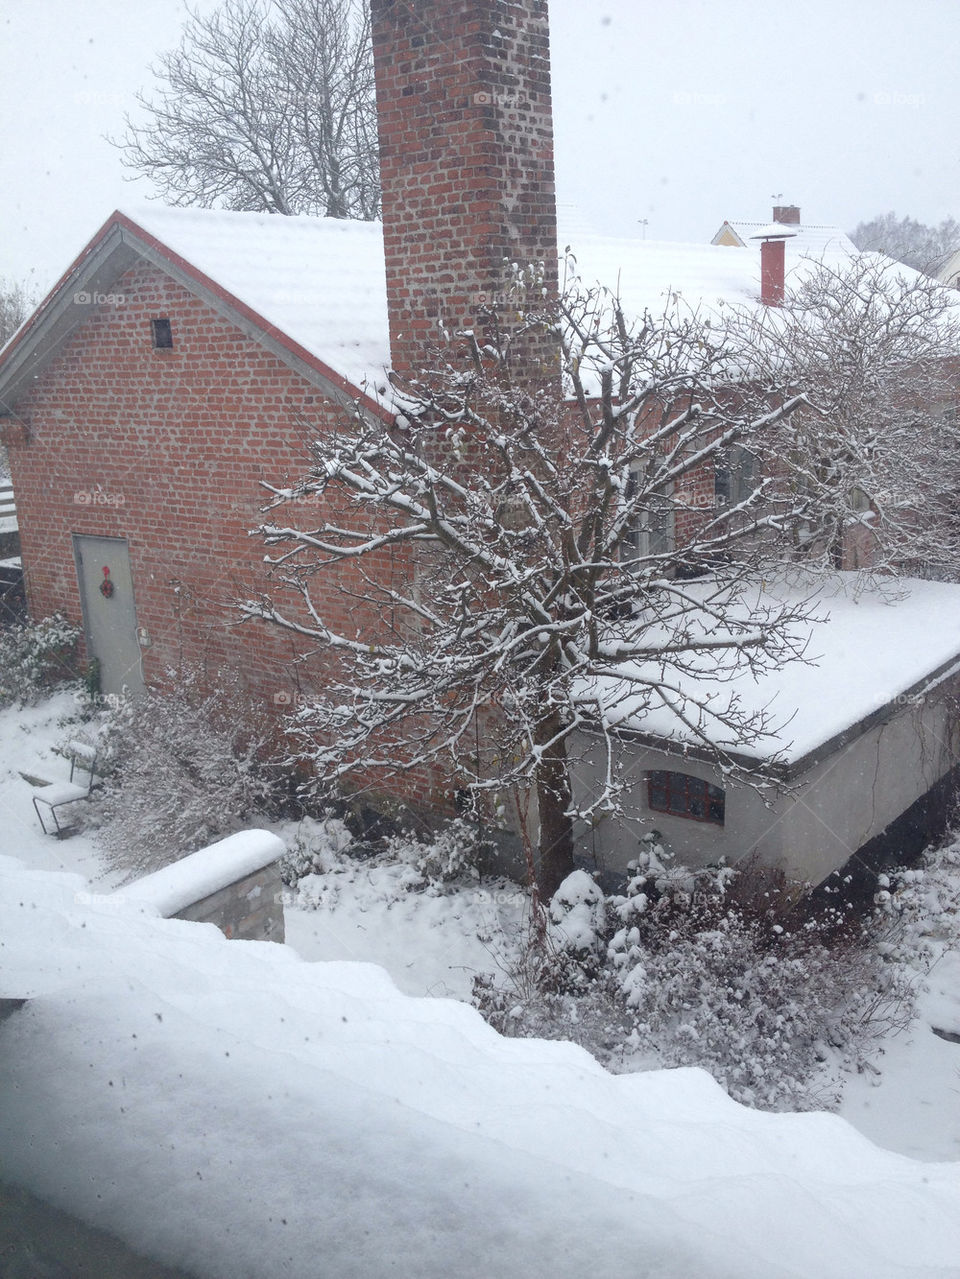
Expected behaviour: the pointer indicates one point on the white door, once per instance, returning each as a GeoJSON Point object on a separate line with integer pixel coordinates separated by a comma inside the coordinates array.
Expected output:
{"type": "Point", "coordinates": [109, 611]}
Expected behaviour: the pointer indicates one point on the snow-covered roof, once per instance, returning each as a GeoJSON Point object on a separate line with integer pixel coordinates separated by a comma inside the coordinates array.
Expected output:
{"type": "Point", "coordinates": [864, 651]}
{"type": "Point", "coordinates": [227, 1108]}
{"type": "Point", "coordinates": [812, 240]}
{"type": "Point", "coordinates": [320, 281]}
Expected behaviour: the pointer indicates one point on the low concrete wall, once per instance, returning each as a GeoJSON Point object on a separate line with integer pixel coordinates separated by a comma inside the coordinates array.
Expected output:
{"type": "Point", "coordinates": [234, 884]}
{"type": "Point", "coordinates": [251, 909]}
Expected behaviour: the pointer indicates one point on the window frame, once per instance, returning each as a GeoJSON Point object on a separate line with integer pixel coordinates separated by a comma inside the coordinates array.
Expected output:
{"type": "Point", "coordinates": [737, 471]}
{"type": "Point", "coordinates": [711, 799]}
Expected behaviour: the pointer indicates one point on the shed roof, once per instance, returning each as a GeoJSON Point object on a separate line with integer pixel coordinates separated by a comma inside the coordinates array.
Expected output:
{"type": "Point", "coordinates": [868, 653]}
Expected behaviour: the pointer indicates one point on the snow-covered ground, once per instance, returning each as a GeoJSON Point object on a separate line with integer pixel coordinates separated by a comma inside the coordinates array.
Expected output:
{"type": "Point", "coordinates": [229, 1108]}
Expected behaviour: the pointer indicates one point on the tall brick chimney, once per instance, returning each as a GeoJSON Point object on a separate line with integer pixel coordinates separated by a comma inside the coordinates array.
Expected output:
{"type": "Point", "coordinates": [466, 156]}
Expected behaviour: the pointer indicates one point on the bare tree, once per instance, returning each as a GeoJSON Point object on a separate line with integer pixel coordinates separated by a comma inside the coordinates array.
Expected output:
{"type": "Point", "coordinates": [267, 105]}
{"type": "Point", "coordinates": [906, 240]}
{"type": "Point", "coordinates": [516, 566]}
{"type": "Point", "coordinates": [878, 350]}
{"type": "Point", "coordinates": [16, 303]}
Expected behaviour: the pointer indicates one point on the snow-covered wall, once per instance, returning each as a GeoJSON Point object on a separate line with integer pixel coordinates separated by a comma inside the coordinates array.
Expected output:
{"type": "Point", "coordinates": [234, 884]}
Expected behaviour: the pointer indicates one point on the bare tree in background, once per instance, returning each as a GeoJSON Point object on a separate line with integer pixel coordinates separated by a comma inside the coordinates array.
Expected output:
{"type": "Point", "coordinates": [267, 105]}
{"type": "Point", "coordinates": [877, 349]}
{"type": "Point", "coordinates": [16, 303]}
{"type": "Point", "coordinates": [908, 241]}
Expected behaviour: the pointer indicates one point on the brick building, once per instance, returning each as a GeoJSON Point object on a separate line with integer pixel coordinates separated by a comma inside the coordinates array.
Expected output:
{"type": "Point", "coordinates": [186, 357]}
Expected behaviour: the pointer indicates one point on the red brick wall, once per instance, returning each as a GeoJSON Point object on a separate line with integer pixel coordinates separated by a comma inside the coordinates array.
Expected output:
{"type": "Point", "coordinates": [165, 448]}
{"type": "Point", "coordinates": [466, 153]}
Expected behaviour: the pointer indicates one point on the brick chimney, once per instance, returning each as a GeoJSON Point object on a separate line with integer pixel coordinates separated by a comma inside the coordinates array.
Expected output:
{"type": "Point", "coordinates": [772, 272]}
{"type": "Point", "coordinates": [466, 156]}
{"type": "Point", "coordinates": [789, 214]}
{"type": "Point", "coordinates": [773, 260]}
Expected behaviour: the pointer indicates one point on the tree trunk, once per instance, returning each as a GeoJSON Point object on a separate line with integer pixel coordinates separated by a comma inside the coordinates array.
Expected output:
{"type": "Point", "coordinates": [554, 797]}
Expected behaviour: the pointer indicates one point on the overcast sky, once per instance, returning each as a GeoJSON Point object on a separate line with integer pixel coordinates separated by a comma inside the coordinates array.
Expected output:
{"type": "Point", "coordinates": [682, 113]}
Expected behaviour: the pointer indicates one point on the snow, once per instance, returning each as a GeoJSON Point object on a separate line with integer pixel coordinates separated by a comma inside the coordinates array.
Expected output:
{"type": "Point", "coordinates": [227, 1107]}
{"type": "Point", "coordinates": [206, 871]}
{"type": "Point", "coordinates": [234, 1109]}
{"type": "Point", "coordinates": [321, 281]}
{"type": "Point", "coordinates": [922, 1121]}
{"type": "Point", "coordinates": [810, 239]}
{"type": "Point", "coordinates": [430, 942]}
{"type": "Point", "coordinates": [864, 649]}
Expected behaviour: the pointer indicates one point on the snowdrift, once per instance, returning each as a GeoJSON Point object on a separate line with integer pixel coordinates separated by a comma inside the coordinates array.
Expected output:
{"type": "Point", "coordinates": [231, 1109]}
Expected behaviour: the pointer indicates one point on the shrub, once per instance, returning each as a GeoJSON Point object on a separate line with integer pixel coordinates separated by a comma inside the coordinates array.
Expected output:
{"type": "Point", "coordinates": [184, 766]}
{"type": "Point", "coordinates": [35, 656]}
{"type": "Point", "coordinates": [316, 848]}
{"type": "Point", "coordinates": [454, 852]}
{"type": "Point", "coordinates": [671, 972]}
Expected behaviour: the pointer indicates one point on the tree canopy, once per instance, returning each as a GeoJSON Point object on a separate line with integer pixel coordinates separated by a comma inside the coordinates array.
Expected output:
{"type": "Point", "coordinates": [267, 106]}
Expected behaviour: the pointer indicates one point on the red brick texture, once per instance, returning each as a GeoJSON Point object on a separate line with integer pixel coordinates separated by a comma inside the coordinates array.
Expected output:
{"type": "Point", "coordinates": [165, 448]}
{"type": "Point", "coordinates": [466, 154]}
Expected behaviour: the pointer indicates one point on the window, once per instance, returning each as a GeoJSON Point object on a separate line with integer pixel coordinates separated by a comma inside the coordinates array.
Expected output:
{"type": "Point", "coordinates": [734, 476]}
{"type": "Point", "coordinates": [162, 333]}
{"type": "Point", "coordinates": [652, 531]}
{"type": "Point", "coordinates": [685, 796]}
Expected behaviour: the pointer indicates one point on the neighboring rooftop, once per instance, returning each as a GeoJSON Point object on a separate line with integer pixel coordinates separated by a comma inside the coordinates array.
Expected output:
{"type": "Point", "coordinates": [809, 239]}
{"type": "Point", "coordinates": [863, 651]}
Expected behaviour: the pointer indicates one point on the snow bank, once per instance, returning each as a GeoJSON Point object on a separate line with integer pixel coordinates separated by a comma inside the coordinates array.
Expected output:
{"type": "Point", "coordinates": [234, 1110]}
{"type": "Point", "coordinates": [189, 880]}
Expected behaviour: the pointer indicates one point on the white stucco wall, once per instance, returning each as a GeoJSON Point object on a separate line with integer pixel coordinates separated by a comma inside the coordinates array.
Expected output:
{"type": "Point", "coordinates": [831, 809]}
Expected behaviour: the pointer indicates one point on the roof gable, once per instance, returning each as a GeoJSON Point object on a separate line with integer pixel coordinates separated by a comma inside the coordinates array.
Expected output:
{"type": "Point", "coordinates": [309, 289]}
{"type": "Point", "coordinates": [811, 240]}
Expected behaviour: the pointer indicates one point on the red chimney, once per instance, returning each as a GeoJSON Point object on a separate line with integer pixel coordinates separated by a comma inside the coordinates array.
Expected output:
{"type": "Point", "coordinates": [789, 214]}
{"type": "Point", "coordinates": [772, 271]}
{"type": "Point", "coordinates": [772, 261]}
{"type": "Point", "coordinates": [466, 159]}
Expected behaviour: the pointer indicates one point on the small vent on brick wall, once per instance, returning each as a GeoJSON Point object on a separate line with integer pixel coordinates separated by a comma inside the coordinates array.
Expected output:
{"type": "Point", "coordinates": [162, 333]}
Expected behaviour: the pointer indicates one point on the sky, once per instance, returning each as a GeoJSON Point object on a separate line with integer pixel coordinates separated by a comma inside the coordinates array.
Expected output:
{"type": "Point", "coordinates": [669, 117]}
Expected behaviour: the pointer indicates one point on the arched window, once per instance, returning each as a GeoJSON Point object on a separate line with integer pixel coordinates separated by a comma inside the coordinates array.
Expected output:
{"type": "Point", "coordinates": [684, 796]}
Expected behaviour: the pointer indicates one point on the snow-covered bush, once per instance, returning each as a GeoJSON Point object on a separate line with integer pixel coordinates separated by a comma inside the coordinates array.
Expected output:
{"type": "Point", "coordinates": [919, 908]}
{"type": "Point", "coordinates": [184, 766]}
{"type": "Point", "coordinates": [672, 972]}
{"type": "Point", "coordinates": [315, 849]}
{"type": "Point", "coordinates": [34, 656]}
{"type": "Point", "coordinates": [454, 852]}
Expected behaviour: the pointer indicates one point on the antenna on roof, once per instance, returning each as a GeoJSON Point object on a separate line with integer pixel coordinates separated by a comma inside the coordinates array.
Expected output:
{"type": "Point", "coordinates": [643, 223]}
{"type": "Point", "coordinates": [777, 196]}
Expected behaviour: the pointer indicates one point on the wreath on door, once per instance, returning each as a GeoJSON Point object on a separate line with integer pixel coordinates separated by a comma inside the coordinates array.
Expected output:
{"type": "Point", "coordinates": [106, 586]}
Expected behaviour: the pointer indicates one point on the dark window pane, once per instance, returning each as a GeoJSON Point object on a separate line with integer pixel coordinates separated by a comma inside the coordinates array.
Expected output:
{"type": "Point", "coordinates": [685, 796]}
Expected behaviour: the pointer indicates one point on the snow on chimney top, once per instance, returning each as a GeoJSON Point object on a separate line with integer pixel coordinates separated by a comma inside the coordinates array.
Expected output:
{"type": "Point", "coordinates": [773, 239]}
{"type": "Point", "coordinates": [788, 213]}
